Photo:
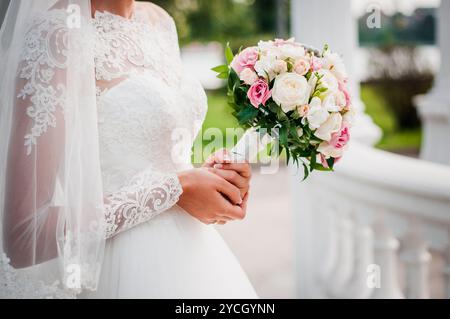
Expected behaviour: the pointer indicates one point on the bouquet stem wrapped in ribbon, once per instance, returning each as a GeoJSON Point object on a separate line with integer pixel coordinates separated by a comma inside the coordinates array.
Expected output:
{"type": "Point", "coordinates": [285, 91]}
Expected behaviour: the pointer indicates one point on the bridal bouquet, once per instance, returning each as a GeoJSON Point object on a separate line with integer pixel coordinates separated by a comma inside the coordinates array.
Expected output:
{"type": "Point", "coordinates": [298, 95]}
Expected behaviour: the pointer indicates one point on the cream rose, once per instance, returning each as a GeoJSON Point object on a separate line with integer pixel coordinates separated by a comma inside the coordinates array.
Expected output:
{"type": "Point", "coordinates": [334, 63]}
{"type": "Point", "coordinates": [332, 125]}
{"type": "Point", "coordinates": [317, 115]}
{"type": "Point", "coordinates": [290, 90]}
{"type": "Point", "coordinates": [334, 101]}
{"type": "Point", "coordinates": [248, 76]}
{"type": "Point", "coordinates": [292, 51]}
{"type": "Point", "coordinates": [329, 81]}
{"type": "Point", "coordinates": [302, 66]}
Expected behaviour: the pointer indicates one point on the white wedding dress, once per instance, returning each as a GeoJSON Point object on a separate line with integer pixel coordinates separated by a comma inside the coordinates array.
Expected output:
{"type": "Point", "coordinates": [156, 249]}
{"type": "Point", "coordinates": [149, 112]}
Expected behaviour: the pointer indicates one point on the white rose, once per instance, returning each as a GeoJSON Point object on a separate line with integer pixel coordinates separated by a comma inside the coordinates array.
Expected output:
{"type": "Point", "coordinates": [291, 50]}
{"type": "Point", "coordinates": [328, 80]}
{"type": "Point", "coordinates": [268, 49]}
{"type": "Point", "coordinates": [317, 115]}
{"type": "Point", "coordinates": [290, 90]}
{"type": "Point", "coordinates": [280, 67]}
{"type": "Point", "coordinates": [248, 76]}
{"type": "Point", "coordinates": [334, 101]}
{"type": "Point", "coordinates": [334, 63]}
{"type": "Point", "coordinates": [332, 125]}
{"type": "Point", "coordinates": [269, 67]}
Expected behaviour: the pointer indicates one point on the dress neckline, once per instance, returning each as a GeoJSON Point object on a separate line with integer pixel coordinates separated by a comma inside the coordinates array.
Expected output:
{"type": "Point", "coordinates": [118, 16]}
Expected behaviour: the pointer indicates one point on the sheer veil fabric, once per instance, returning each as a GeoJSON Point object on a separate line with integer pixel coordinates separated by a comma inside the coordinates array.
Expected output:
{"type": "Point", "coordinates": [51, 197]}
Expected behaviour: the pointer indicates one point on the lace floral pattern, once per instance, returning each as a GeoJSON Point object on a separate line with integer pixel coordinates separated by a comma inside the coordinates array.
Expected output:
{"type": "Point", "coordinates": [14, 284]}
{"type": "Point", "coordinates": [125, 47]}
{"type": "Point", "coordinates": [147, 195]}
{"type": "Point", "coordinates": [43, 55]}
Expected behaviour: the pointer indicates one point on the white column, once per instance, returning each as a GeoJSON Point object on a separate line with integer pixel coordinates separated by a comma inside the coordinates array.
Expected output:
{"type": "Point", "coordinates": [344, 263]}
{"type": "Point", "coordinates": [357, 286]}
{"type": "Point", "coordinates": [434, 108]}
{"type": "Point", "coordinates": [417, 259]}
{"type": "Point", "coordinates": [386, 249]}
{"type": "Point", "coordinates": [319, 22]}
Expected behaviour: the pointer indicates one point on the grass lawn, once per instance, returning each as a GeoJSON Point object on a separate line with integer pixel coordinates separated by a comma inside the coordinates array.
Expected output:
{"type": "Point", "coordinates": [219, 116]}
{"type": "Point", "coordinates": [393, 138]}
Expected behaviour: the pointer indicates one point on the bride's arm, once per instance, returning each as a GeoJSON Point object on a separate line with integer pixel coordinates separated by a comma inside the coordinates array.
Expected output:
{"type": "Point", "coordinates": [147, 195]}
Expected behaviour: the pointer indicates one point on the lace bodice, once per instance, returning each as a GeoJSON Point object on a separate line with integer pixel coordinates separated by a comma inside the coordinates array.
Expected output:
{"type": "Point", "coordinates": [147, 120]}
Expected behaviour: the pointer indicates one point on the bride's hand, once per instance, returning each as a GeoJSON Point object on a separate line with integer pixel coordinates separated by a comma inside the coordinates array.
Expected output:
{"type": "Point", "coordinates": [210, 198]}
{"type": "Point", "coordinates": [239, 174]}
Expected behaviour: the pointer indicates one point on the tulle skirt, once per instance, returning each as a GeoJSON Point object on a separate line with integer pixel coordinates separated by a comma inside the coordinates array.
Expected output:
{"type": "Point", "coordinates": [172, 256]}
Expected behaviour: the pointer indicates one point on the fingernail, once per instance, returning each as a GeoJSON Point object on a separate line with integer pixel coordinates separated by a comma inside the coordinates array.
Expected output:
{"type": "Point", "coordinates": [218, 166]}
{"type": "Point", "coordinates": [227, 158]}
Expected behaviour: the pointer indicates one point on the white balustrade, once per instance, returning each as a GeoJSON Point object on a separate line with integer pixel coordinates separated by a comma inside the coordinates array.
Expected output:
{"type": "Point", "coordinates": [390, 212]}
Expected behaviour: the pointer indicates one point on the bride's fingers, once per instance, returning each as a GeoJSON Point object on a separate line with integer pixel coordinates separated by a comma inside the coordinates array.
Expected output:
{"type": "Point", "coordinates": [221, 156]}
{"type": "Point", "coordinates": [235, 212]}
{"type": "Point", "coordinates": [233, 177]}
{"type": "Point", "coordinates": [245, 202]}
{"type": "Point", "coordinates": [225, 219]}
{"type": "Point", "coordinates": [230, 191]}
{"type": "Point", "coordinates": [244, 169]}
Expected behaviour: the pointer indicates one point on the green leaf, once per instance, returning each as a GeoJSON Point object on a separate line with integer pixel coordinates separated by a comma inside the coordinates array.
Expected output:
{"type": "Point", "coordinates": [283, 135]}
{"type": "Point", "coordinates": [220, 68]}
{"type": "Point", "coordinates": [313, 162]}
{"type": "Point", "coordinates": [295, 115]}
{"type": "Point", "coordinates": [288, 155]}
{"type": "Point", "coordinates": [320, 167]}
{"type": "Point", "coordinates": [331, 162]}
{"type": "Point", "coordinates": [247, 114]}
{"type": "Point", "coordinates": [281, 115]}
{"type": "Point", "coordinates": [223, 75]}
{"type": "Point", "coordinates": [229, 54]}
{"type": "Point", "coordinates": [305, 171]}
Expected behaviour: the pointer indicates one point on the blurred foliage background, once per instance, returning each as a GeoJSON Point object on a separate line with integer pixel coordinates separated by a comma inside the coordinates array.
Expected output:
{"type": "Point", "coordinates": [396, 68]}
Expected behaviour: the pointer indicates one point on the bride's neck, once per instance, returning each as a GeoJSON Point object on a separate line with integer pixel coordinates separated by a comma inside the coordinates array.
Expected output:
{"type": "Point", "coordinates": [124, 8]}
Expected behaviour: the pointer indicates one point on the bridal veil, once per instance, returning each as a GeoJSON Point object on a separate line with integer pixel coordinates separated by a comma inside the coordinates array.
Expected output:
{"type": "Point", "coordinates": [51, 206]}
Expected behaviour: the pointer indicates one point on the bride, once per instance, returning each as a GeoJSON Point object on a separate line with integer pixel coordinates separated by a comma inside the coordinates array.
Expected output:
{"type": "Point", "coordinates": [98, 196]}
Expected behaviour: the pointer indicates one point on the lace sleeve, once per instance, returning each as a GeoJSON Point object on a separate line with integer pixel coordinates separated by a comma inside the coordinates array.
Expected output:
{"type": "Point", "coordinates": [147, 195]}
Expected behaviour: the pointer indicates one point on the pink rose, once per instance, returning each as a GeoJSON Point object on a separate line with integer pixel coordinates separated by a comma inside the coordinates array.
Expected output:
{"type": "Point", "coordinates": [259, 93]}
{"type": "Point", "coordinates": [316, 63]}
{"type": "Point", "coordinates": [348, 99]}
{"type": "Point", "coordinates": [341, 138]}
{"type": "Point", "coordinates": [246, 59]}
{"type": "Point", "coordinates": [336, 146]}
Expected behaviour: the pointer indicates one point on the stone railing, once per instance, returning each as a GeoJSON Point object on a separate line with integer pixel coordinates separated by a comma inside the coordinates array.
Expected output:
{"type": "Point", "coordinates": [378, 227]}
